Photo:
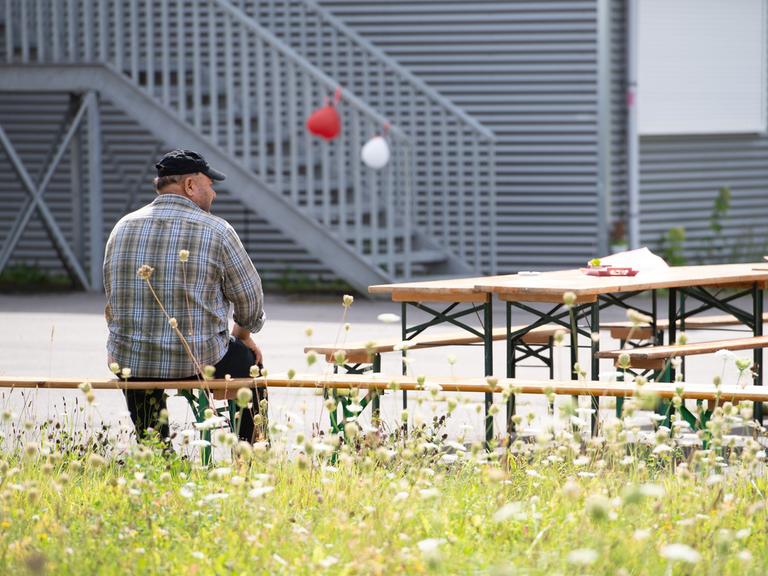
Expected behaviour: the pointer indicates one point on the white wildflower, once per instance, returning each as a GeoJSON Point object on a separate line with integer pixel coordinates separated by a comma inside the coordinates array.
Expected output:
{"type": "Point", "coordinates": [220, 473]}
{"type": "Point", "coordinates": [260, 491]}
{"type": "Point", "coordinates": [652, 490]}
{"type": "Point", "coordinates": [641, 534]}
{"type": "Point", "coordinates": [744, 556]}
{"type": "Point", "coordinates": [448, 458]}
{"type": "Point", "coordinates": [430, 545]}
{"type": "Point", "coordinates": [210, 423]}
{"type": "Point", "coordinates": [428, 493]}
{"type": "Point", "coordinates": [328, 561]}
{"type": "Point", "coordinates": [582, 556]}
{"type": "Point", "coordinates": [215, 496]}
{"type": "Point", "coordinates": [509, 510]}
{"type": "Point", "coordinates": [185, 492]}
{"type": "Point", "coordinates": [725, 355]}
{"type": "Point", "coordinates": [680, 553]}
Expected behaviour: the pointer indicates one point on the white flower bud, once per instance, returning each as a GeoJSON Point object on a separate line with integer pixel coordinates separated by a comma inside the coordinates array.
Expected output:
{"type": "Point", "coordinates": [244, 396]}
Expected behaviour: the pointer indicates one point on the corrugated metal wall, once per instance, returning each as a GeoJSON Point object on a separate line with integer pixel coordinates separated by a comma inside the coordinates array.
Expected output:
{"type": "Point", "coordinates": [528, 70]}
{"type": "Point", "coordinates": [618, 115]}
{"type": "Point", "coordinates": [129, 152]}
{"type": "Point", "coordinates": [680, 177]}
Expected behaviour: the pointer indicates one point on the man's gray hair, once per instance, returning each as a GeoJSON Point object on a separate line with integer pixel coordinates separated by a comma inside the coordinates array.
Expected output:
{"type": "Point", "coordinates": [165, 181]}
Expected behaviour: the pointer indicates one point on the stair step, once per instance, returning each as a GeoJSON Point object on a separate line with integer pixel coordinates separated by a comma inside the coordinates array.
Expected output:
{"type": "Point", "coordinates": [422, 257]}
{"type": "Point", "coordinates": [350, 211]}
{"type": "Point", "coordinates": [367, 232]}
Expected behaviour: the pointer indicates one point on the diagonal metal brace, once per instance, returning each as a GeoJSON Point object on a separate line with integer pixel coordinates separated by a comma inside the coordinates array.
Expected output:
{"type": "Point", "coordinates": [36, 202]}
{"type": "Point", "coordinates": [444, 316]}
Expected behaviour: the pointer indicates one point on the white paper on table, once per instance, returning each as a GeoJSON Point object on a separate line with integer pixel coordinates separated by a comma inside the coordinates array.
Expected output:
{"type": "Point", "coordinates": [642, 260]}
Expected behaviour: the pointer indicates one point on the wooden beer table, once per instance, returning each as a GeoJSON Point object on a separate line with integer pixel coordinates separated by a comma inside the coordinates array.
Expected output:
{"type": "Point", "coordinates": [710, 287]}
{"type": "Point", "coordinates": [458, 301]}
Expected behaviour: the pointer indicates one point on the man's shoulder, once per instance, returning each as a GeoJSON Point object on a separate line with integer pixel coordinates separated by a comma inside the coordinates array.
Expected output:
{"type": "Point", "coordinates": [140, 214]}
{"type": "Point", "coordinates": [195, 217]}
{"type": "Point", "coordinates": [218, 223]}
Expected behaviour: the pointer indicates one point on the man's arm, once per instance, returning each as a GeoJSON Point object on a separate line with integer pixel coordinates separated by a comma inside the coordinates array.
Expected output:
{"type": "Point", "coordinates": [242, 334]}
{"type": "Point", "coordinates": [242, 287]}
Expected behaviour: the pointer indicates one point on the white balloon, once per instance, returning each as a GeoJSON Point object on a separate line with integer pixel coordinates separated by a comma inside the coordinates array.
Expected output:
{"type": "Point", "coordinates": [375, 153]}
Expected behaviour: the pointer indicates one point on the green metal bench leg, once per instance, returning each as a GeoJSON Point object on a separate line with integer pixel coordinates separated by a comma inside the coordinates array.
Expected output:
{"type": "Point", "coordinates": [202, 401]}
{"type": "Point", "coordinates": [234, 411]}
{"type": "Point", "coordinates": [376, 405]}
{"type": "Point", "coordinates": [198, 404]}
{"type": "Point", "coordinates": [689, 417]}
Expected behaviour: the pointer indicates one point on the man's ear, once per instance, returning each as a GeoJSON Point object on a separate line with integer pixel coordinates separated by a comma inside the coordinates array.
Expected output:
{"type": "Point", "coordinates": [187, 186]}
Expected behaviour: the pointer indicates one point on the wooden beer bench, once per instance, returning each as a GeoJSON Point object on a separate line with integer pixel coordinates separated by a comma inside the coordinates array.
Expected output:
{"type": "Point", "coordinates": [655, 357]}
{"type": "Point", "coordinates": [375, 384]}
{"type": "Point", "coordinates": [359, 353]}
{"type": "Point", "coordinates": [625, 330]}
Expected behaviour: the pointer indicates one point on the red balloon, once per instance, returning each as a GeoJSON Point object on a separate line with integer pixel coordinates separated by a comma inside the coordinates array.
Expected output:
{"type": "Point", "coordinates": [325, 122]}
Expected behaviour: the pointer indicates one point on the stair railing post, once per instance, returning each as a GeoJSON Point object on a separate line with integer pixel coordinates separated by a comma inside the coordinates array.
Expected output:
{"type": "Point", "coordinates": [95, 193]}
{"type": "Point", "coordinates": [103, 31]}
{"type": "Point", "coordinates": [24, 33]}
{"type": "Point", "coordinates": [409, 167]}
{"type": "Point", "coordinates": [357, 184]}
{"type": "Point", "coordinates": [181, 73]}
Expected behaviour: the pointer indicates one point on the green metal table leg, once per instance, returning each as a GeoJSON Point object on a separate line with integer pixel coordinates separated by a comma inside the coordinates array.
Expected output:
{"type": "Point", "coordinates": [511, 369]}
{"type": "Point", "coordinates": [488, 345]}
{"type": "Point", "coordinates": [376, 408]}
{"type": "Point", "coordinates": [595, 364]}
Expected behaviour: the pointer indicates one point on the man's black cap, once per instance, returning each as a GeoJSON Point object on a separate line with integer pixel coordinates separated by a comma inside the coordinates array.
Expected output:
{"type": "Point", "coordinates": [186, 162]}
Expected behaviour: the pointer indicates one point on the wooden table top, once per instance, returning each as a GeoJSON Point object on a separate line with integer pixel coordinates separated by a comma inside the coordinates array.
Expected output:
{"type": "Point", "coordinates": [451, 290]}
{"type": "Point", "coordinates": [550, 286]}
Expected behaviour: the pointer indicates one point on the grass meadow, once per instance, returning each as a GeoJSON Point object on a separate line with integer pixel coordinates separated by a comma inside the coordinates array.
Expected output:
{"type": "Point", "coordinates": [627, 502]}
{"type": "Point", "coordinates": [645, 496]}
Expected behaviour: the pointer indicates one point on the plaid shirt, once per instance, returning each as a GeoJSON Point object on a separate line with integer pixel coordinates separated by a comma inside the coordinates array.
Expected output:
{"type": "Point", "coordinates": [197, 293]}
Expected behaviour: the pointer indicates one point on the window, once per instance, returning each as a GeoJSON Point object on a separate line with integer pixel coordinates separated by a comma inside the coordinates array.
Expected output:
{"type": "Point", "coordinates": [701, 66]}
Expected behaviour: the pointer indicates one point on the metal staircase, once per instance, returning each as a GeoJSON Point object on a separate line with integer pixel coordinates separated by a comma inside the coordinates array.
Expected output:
{"type": "Point", "coordinates": [454, 154]}
{"type": "Point", "coordinates": [205, 74]}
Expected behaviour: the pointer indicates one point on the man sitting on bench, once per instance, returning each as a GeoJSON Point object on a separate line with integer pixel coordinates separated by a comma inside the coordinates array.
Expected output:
{"type": "Point", "coordinates": [170, 269]}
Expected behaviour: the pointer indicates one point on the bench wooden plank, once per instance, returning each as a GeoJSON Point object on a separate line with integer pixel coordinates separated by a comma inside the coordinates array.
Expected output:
{"type": "Point", "coordinates": [622, 330]}
{"type": "Point", "coordinates": [115, 384]}
{"type": "Point", "coordinates": [382, 382]}
{"type": "Point", "coordinates": [373, 381]}
{"type": "Point", "coordinates": [654, 356]}
{"type": "Point", "coordinates": [359, 352]}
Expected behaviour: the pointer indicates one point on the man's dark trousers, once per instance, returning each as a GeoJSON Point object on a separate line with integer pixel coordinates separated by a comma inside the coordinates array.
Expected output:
{"type": "Point", "coordinates": [145, 405]}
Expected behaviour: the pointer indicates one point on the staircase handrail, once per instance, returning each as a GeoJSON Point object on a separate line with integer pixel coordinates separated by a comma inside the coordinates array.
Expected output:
{"type": "Point", "coordinates": [403, 72]}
